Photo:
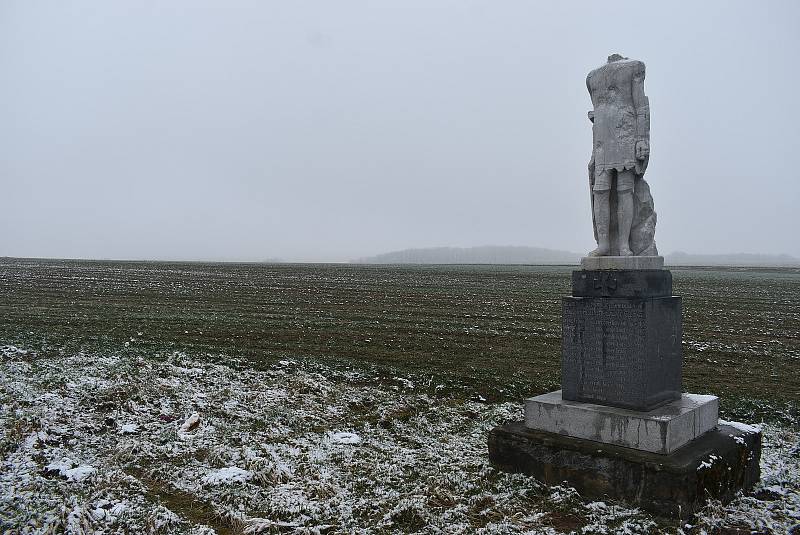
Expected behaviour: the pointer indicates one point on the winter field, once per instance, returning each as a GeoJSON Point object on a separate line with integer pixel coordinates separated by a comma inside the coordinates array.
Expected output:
{"type": "Point", "coordinates": [253, 398]}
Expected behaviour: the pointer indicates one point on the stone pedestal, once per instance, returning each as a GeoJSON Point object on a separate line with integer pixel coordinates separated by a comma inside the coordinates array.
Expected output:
{"type": "Point", "coordinates": [620, 427]}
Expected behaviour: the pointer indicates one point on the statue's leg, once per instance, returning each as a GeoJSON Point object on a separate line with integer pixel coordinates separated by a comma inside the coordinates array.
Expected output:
{"type": "Point", "coordinates": [625, 181]}
{"type": "Point", "coordinates": [602, 213]}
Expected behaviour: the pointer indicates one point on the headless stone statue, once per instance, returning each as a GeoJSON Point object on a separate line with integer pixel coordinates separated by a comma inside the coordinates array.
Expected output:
{"type": "Point", "coordinates": [621, 400]}
{"type": "Point", "coordinates": [622, 207]}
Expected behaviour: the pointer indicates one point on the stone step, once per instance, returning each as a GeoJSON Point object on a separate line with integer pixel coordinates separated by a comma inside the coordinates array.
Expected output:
{"type": "Point", "coordinates": [662, 430]}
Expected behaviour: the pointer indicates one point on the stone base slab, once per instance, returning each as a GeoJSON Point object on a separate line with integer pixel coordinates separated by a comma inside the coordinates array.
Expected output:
{"type": "Point", "coordinates": [662, 430]}
{"type": "Point", "coordinates": [715, 466]}
{"type": "Point", "coordinates": [622, 262]}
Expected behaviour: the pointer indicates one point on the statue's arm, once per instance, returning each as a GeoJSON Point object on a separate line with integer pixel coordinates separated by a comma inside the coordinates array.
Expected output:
{"type": "Point", "coordinates": [642, 105]}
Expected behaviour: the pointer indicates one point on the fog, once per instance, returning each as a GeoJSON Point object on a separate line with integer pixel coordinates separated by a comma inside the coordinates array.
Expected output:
{"type": "Point", "coordinates": [325, 131]}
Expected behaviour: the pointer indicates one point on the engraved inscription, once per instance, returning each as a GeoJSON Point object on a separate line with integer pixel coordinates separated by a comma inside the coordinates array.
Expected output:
{"type": "Point", "coordinates": [614, 336]}
{"type": "Point", "coordinates": [621, 351]}
{"type": "Point", "coordinates": [604, 340]}
{"type": "Point", "coordinates": [606, 283]}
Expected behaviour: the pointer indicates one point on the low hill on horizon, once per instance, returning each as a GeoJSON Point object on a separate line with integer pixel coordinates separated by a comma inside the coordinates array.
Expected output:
{"type": "Point", "coordinates": [680, 258]}
{"type": "Point", "coordinates": [500, 254]}
{"type": "Point", "coordinates": [486, 254]}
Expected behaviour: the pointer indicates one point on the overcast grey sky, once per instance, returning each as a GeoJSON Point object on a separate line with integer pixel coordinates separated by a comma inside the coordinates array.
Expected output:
{"type": "Point", "coordinates": [332, 130]}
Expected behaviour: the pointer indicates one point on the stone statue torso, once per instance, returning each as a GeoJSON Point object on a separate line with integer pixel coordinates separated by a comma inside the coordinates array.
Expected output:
{"type": "Point", "coordinates": [614, 129]}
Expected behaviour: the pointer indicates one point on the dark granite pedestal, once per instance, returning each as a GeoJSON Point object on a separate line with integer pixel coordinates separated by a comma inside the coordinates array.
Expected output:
{"type": "Point", "coordinates": [620, 427]}
{"type": "Point", "coordinates": [621, 339]}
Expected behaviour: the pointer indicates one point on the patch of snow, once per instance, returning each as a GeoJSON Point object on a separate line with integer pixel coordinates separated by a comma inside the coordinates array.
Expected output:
{"type": "Point", "coordinates": [709, 463]}
{"type": "Point", "coordinates": [777, 489]}
{"type": "Point", "coordinates": [191, 423]}
{"type": "Point", "coordinates": [67, 468]}
{"type": "Point", "coordinates": [128, 429]}
{"type": "Point", "coordinates": [745, 428]}
{"type": "Point", "coordinates": [31, 440]}
{"type": "Point", "coordinates": [260, 525]}
{"type": "Point", "coordinates": [12, 351]}
{"type": "Point", "coordinates": [191, 372]}
{"type": "Point", "coordinates": [79, 473]}
{"type": "Point", "coordinates": [343, 437]}
{"type": "Point", "coordinates": [60, 466]}
{"type": "Point", "coordinates": [406, 382]}
{"type": "Point", "coordinates": [229, 474]}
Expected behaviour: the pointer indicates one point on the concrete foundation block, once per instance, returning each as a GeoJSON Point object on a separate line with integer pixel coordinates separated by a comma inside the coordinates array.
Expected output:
{"type": "Point", "coordinates": [716, 465]}
{"type": "Point", "coordinates": [662, 430]}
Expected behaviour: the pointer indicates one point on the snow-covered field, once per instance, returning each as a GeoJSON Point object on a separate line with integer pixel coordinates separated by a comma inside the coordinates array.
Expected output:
{"type": "Point", "coordinates": [169, 444]}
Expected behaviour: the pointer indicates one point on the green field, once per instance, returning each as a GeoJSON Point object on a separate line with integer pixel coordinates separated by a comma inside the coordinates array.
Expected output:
{"type": "Point", "coordinates": [489, 331]}
{"type": "Point", "coordinates": [188, 398]}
